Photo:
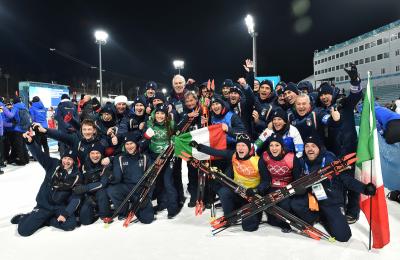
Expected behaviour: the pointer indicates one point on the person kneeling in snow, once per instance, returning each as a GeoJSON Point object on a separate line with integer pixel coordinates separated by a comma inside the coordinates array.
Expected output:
{"type": "Point", "coordinates": [56, 204]}
{"type": "Point", "coordinates": [329, 192]}
{"type": "Point", "coordinates": [246, 169]}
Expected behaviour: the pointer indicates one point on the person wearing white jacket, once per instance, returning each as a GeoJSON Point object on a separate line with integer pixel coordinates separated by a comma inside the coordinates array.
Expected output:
{"type": "Point", "coordinates": [290, 135]}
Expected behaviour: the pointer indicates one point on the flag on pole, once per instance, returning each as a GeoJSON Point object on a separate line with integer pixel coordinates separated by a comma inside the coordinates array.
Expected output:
{"type": "Point", "coordinates": [212, 136]}
{"type": "Point", "coordinates": [368, 169]}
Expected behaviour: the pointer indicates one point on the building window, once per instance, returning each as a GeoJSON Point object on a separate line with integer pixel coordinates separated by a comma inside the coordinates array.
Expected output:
{"type": "Point", "coordinates": [346, 53]}
{"type": "Point", "coordinates": [386, 55]}
{"type": "Point", "coordinates": [373, 58]}
{"type": "Point", "coordinates": [315, 62]}
{"type": "Point", "coordinates": [379, 42]}
{"type": "Point", "coordinates": [337, 55]}
{"type": "Point", "coordinates": [361, 61]}
{"type": "Point", "coordinates": [346, 65]}
{"type": "Point", "coordinates": [383, 71]}
{"type": "Point", "coordinates": [326, 70]}
{"type": "Point", "coordinates": [356, 62]}
{"type": "Point", "coordinates": [373, 44]}
{"type": "Point", "coordinates": [380, 56]}
{"type": "Point", "coordinates": [367, 45]}
{"type": "Point", "coordinates": [333, 57]}
{"type": "Point", "coordinates": [316, 73]}
{"type": "Point", "coordinates": [350, 51]}
{"type": "Point", "coordinates": [356, 49]}
{"type": "Point", "coordinates": [397, 53]}
{"type": "Point", "coordinates": [361, 48]}
{"type": "Point", "coordinates": [333, 68]}
{"type": "Point", "coordinates": [337, 79]}
{"type": "Point", "coordinates": [329, 58]}
{"type": "Point", "coordinates": [341, 54]}
{"type": "Point", "coordinates": [346, 77]}
{"type": "Point", "coordinates": [341, 66]}
{"type": "Point", "coordinates": [325, 60]}
{"type": "Point", "coordinates": [398, 68]}
{"type": "Point", "coordinates": [341, 78]}
{"type": "Point", "coordinates": [394, 37]}
{"type": "Point", "coordinates": [367, 60]}
{"type": "Point", "coordinates": [385, 40]}
{"type": "Point", "coordinates": [337, 67]}
{"type": "Point", "coordinates": [329, 69]}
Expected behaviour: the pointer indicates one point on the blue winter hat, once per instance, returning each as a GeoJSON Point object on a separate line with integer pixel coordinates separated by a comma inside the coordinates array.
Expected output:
{"type": "Point", "coordinates": [162, 108]}
{"type": "Point", "coordinates": [151, 84]}
{"type": "Point", "coordinates": [292, 87]}
{"type": "Point", "coordinates": [71, 154]}
{"type": "Point", "coordinates": [97, 147]}
{"type": "Point", "coordinates": [325, 88]}
{"type": "Point", "coordinates": [140, 100]}
{"type": "Point", "coordinates": [16, 99]}
{"type": "Point", "coordinates": [236, 88]}
{"type": "Point", "coordinates": [267, 82]}
{"type": "Point", "coordinates": [227, 83]}
{"type": "Point", "coordinates": [134, 136]}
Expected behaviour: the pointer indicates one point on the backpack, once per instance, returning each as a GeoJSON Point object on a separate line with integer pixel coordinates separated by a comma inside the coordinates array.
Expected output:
{"type": "Point", "coordinates": [25, 120]}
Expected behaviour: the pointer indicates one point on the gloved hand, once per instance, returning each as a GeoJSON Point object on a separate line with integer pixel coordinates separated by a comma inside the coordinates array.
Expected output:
{"type": "Point", "coordinates": [80, 189]}
{"type": "Point", "coordinates": [194, 144]}
{"type": "Point", "coordinates": [370, 189]}
{"type": "Point", "coordinates": [353, 75]}
{"type": "Point", "coordinates": [251, 192]}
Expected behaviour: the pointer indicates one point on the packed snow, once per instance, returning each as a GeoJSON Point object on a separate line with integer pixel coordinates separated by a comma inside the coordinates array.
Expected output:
{"type": "Point", "coordinates": [184, 237]}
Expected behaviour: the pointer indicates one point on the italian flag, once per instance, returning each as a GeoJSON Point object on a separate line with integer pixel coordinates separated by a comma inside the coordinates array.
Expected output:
{"type": "Point", "coordinates": [212, 136]}
{"type": "Point", "coordinates": [368, 169]}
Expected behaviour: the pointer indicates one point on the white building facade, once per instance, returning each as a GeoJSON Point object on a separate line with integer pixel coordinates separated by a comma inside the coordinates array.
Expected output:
{"type": "Point", "coordinates": [377, 51]}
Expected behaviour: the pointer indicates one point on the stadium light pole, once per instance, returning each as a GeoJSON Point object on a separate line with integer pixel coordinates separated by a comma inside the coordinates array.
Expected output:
{"type": "Point", "coordinates": [250, 27]}
{"type": "Point", "coordinates": [178, 65]}
{"type": "Point", "coordinates": [101, 39]}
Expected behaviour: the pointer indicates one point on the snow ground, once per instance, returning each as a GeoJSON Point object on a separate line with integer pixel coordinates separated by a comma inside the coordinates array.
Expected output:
{"type": "Point", "coordinates": [185, 237]}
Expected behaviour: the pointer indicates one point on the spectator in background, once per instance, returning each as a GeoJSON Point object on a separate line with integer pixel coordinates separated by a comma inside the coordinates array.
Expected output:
{"type": "Point", "coordinates": [39, 115]}
{"type": "Point", "coordinates": [397, 102]}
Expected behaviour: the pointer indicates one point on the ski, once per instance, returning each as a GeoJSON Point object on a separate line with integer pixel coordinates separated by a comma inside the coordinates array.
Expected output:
{"type": "Point", "coordinates": [303, 227]}
{"type": "Point", "coordinates": [263, 203]}
{"type": "Point", "coordinates": [146, 182]}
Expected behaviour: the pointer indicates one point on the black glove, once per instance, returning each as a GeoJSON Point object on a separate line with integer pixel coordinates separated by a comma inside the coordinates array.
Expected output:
{"type": "Point", "coordinates": [394, 195]}
{"type": "Point", "coordinates": [80, 189]}
{"type": "Point", "coordinates": [251, 192]}
{"type": "Point", "coordinates": [353, 75]}
{"type": "Point", "coordinates": [194, 144]}
{"type": "Point", "coordinates": [370, 189]}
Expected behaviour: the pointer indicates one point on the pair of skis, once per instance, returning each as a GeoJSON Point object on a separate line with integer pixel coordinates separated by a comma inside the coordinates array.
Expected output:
{"type": "Point", "coordinates": [146, 182]}
{"type": "Point", "coordinates": [303, 227]}
{"type": "Point", "coordinates": [266, 202]}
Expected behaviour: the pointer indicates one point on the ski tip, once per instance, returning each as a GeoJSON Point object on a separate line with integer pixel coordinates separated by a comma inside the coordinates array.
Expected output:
{"type": "Point", "coordinates": [331, 239]}
{"type": "Point", "coordinates": [106, 225]}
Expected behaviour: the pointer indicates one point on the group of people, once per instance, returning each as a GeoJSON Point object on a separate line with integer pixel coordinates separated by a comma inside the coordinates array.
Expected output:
{"type": "Point", "coordinates": [275, 135]}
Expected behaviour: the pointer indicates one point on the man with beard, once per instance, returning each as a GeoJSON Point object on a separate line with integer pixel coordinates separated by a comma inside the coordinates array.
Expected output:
{"type": "Point", "coordinates": [329, 193]}
{"type": "Point", "coordinates": [55, 203]}
{"type": "Point", "coordinates": [345, 137]}
{"type": "Point", "coordinates": [226, 89]}
{"type": "Point", "coordinates": [310, 122]}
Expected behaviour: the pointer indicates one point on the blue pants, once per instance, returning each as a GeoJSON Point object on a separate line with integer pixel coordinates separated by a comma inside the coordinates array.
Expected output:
{"type": "Point", "coordinates": [117, 194]}
{"type": "Point", "coordinates": [231, 201]}
{"type": "Point", "coordinates": [39, 218]}
{"type": "Point", "coordinates": [333, 220]}
{"type": "Point", "coordinates": [92, 204]}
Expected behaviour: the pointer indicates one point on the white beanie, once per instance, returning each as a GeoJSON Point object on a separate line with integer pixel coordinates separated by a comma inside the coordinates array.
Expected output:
{"type": "Point", "coordinates": [120, 99]}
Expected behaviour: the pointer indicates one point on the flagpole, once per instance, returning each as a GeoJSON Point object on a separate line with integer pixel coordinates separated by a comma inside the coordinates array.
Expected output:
{"type": "Point", "coordinates": [370, 179]}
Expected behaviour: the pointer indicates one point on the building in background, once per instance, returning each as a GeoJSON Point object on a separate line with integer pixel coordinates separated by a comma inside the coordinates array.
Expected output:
{"type": "Point", "coordinates": [377, 51]}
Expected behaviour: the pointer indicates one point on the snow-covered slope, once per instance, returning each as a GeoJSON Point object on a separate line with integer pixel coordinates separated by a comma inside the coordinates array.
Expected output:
{"type": "Point", "coordinates": [185, 237]}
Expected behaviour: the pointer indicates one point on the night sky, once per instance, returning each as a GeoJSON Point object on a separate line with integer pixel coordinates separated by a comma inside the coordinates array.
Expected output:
{"type": "Point", "coordinates": [145, 36]}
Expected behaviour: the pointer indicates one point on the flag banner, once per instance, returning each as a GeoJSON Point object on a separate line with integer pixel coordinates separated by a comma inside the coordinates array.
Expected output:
{"type": "Point", "coordinates": [212, 136]}
{"type": "Point", "coordinates": [368, 169]}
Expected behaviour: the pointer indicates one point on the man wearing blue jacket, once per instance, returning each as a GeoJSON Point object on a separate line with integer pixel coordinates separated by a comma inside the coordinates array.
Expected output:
{"type": "Point", "coordinates": [39, 115]}
{"type": "Point", "coordinates": [56, 204]}
{"type": "Point", "coordinates": [21, 125]}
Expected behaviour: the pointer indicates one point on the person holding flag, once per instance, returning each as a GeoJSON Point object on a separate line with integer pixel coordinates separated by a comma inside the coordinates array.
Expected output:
{"type": "Point", "coordinates": [369, 170]}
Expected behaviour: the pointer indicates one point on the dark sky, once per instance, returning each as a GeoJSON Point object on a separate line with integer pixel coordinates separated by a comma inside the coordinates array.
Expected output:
{"type": "Point", "coordinates": [145, 36]}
